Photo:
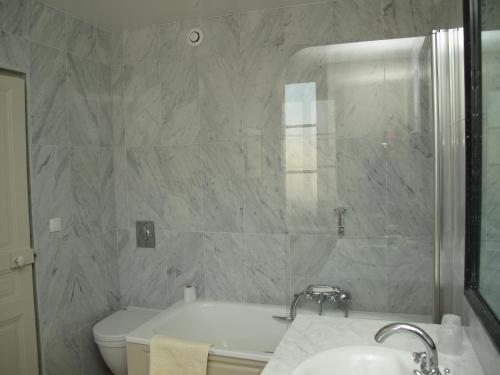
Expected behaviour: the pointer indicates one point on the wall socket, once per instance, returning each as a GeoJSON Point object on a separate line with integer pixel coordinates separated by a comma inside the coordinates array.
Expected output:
{"type": "Point", "coordinates": [145, 234]}
{"type": "Point", "coordinates": [55, 224]}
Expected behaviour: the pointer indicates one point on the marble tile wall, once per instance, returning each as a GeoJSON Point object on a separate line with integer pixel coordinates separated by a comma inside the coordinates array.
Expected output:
{"type": "Point", "coordinates": [201, 148]}
{"type": "Point", "coordinates": [139, 125]}
{"type": "Point", "coordinates": [68, 65]}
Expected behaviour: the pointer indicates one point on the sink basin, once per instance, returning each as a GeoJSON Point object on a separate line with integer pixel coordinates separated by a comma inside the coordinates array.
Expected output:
{"type": "Point", "coordinates": [358, 360]}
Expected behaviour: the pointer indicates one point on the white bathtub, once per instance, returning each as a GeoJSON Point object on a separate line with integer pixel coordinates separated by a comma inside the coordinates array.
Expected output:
{"type": "Point", "coordinates": [236, 330]}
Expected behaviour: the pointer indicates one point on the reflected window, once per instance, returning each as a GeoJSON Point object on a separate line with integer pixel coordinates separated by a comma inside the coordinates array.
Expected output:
{"type": "Point", "coordinates": [300, 104]}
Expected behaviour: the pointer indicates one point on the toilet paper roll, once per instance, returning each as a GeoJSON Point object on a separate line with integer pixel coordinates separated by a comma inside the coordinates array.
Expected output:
{"type": "Point", "coordinates": [189, 293]}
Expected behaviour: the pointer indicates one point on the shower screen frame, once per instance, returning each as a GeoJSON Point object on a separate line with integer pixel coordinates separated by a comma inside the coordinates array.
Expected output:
{"type": "Point", "coordinates": [473, 128]}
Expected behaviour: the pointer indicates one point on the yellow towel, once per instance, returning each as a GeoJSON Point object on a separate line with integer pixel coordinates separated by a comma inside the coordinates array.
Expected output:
{"type": "Point", "coordinates": [170, 356]}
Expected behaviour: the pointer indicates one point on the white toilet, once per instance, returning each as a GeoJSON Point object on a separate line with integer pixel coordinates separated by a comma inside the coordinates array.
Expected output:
{"type": "Point", "coordinates": [110, 336]}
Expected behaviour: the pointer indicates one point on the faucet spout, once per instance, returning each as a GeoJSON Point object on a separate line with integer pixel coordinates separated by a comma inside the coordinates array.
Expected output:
{"type": "Point", "coordinates": [430, 364]}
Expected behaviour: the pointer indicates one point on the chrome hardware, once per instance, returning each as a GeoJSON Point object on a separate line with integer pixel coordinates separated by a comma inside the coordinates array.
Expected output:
{"type": "Point", "coordinates": [19, 261]}
{"type": "Point", "coordinates": [340, 211]}
{"type": "Point", "coordinates": [322, 294]}
{"type": "Point", "coordinates": [429, 364]}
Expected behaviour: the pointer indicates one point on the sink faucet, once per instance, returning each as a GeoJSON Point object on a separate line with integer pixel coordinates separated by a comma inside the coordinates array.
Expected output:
{"type": "Point", "coordinates": [321, 293]}
{"type": "Point", "coordinates": [429, 364]}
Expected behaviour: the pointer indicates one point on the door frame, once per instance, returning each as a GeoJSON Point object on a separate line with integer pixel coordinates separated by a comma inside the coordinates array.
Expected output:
{"type": "Point", "coordinates": [24, 74]}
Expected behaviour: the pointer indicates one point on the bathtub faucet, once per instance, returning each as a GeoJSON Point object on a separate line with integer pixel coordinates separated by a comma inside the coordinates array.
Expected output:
{"type": "Point", "coordinates": [322, 294]}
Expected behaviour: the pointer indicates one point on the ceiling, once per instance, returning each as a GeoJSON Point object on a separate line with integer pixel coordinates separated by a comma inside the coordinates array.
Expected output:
{"type": "Point", "coordinates": [117, 15]}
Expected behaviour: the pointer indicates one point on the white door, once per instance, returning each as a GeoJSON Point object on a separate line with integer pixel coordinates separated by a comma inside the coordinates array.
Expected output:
{"type": "Point", "coordinates": [18, 351]}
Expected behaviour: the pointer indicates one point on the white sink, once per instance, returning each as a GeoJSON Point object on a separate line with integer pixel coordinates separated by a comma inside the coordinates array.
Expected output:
{"type": "Point", "coordinates": [358, 360]}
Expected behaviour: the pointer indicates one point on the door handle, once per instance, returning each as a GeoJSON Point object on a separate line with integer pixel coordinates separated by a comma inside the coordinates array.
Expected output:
{"type": "Point", "coordinates": [21, 259]}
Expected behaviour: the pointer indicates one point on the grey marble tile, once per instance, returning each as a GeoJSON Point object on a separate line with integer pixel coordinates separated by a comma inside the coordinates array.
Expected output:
{"type": "Point", "coordinates": [404, 18]}
{"type": "Point", "coordinates": [14, 17]}
{"type": "Point", "coordinates": [309, 24]}
{"type": "Point", "coordinates": [107, 188]}
{"type": "Point", "coordinates": [410, 261]}
{"type": "Point", "coordinates": [267, 272]}
{"type": "Point", "coordinates": [48, 26]}
{"type": "Point", "coordinates": [222, 187]}
{"type": "Point", "coordinates": [144, 181]}
{"type": "Point", "coordinates": [311, 182]}
{"type": "Point", "coordinates": [224, 259]}
{"type": "Point", "coordinates": [51, 197]}
{"type": "Point", "coordinates": [185, 263]}
{"type": "Point", "coordinates": [83, 102]}
{"type": "Point", "coordinates": [362, 185]}
{"type": "Point", "coordinates": [264, 57]}
{"type": "Point", "coordinates": [61, 352]}
{"type": "Point", "coordinates": [366, 15]}
{"type": "Point", "coordinates": [14, 51]}
{"type": "Point", "coordinates": [90, 357]}
{"type": "Point", "coordinates": [111, 256]}
{"type": "Point", "coordinates": [265, 193]}
{"type": "Point", "coordinates": [410, 185]}
{"type": "Point", "coordinates": [141, 45]}
{"type": "Point", "coordinates": [105, 45]}
{"type": "Point", "coordinates": [490, 12]}
{"type": "Point", "coordinates": [490, 187]}
{"type": "Point", "coordinates": [360, 267]}
{"type": "Point", "coordinates": [121, 187]}
{"type": "Point", "coordinates": [58, 304]}
{"type": "Point", "coordinates": [105, 118]}
{"type": "Point", "coordinates": [86, 190]}
{"type": "Point", "coordinates": [81, 38]}
{"type": "Point", "coordinates": [402, 109]}
{"type": "Point", "coordinates": [143, 272]}
{"type": "Point", "coordinates": [142, 102]}
{"type": "Point", "coordinates": [180, 87]}
{"type": "Point", "coordinates": [55, 280]}
{"type": "Point", "coordinates": [90, 279]}
{"type": "Point", "coordinates": [312, 261]}
{"type": "Point", "coordinates": [181, 188]}
{"type": "Point", "coordinates": [359, 103]}
{"type": "Point", "coordinates": [220, 80]}
{"type": "Point", "coordinates": [49, 110]}
{"type": "Point", "coordinates": [116, 48]}
{"type": "Point", "coordinates": [117, 107]}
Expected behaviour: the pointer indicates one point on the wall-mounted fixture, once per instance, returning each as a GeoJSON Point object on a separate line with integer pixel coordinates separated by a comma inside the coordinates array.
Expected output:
{"type": "Point", "coordinates": [340, 211]}
{"type": "Point", "coordinates": [145, 234]}
{"type": "Point", "coordinates": [321, 294]}
{"type": "Point", "coordinates": [194, 37]}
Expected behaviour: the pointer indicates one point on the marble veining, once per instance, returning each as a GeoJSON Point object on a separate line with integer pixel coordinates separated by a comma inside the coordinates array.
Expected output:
{"type": "Point", "coordinates": [222, 187]}
{"type": "Point", "coordinates": [86, 190]}
{"type": "Point", "coordinates": [14, 17]}
{"type": "Point", "coordinates": [81, 38]}
{"type": "Point", "coordinates": [267, 269]}
{"type": "Point", "coordinates": [14, 51]}
{"type": "Point", "coordinates": [49, 110]}
{"type": "Point", "coordinates": [83, 102]}
{"type": "Point", "coordinates": [48, 26]}
{"type": "Point", "coordinates": [224, 259]}
{"type": "Point", "coordinates": [220, 80]}
{"type": "Point", "coordinates": [309, 335]}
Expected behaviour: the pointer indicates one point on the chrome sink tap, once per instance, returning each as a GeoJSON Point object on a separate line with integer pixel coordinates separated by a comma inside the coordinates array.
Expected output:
{"type": "Point", "coordinates": [320, 293]}
{"type": "Point", "coordinates": [429, 364]}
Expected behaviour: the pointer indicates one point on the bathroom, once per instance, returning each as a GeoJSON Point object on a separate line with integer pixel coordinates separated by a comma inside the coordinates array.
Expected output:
{"type": "Point", "coordinates": [209, 170]}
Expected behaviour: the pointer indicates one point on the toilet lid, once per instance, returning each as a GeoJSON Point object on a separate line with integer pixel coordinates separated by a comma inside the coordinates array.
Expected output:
{"type": "Point", "coordinates": [116, 326]}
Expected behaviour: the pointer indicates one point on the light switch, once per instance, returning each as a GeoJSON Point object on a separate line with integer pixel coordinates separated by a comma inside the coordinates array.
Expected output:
{"type": "Point", "coordinates": [55, 224]}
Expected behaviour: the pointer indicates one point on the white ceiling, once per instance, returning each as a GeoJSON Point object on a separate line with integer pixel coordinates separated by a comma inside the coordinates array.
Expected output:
{"type": "Point", "coordinates": [116, 15]}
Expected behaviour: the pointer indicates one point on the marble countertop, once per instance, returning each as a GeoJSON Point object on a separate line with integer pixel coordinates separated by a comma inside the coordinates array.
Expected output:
{"type": "Point", "coordinates": [309, 335]}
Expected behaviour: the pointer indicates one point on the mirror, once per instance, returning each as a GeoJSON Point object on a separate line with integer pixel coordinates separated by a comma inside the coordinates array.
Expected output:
{"type": "Point", "coordinates": [483, 162]}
